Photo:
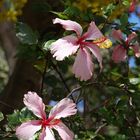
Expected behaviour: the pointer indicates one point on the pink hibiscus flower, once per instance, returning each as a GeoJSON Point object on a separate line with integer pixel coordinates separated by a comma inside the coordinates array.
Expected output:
{"type": "Point", "coordinates": [62, 109]}
{"type": "Point", "coordinates": [68, 45]}
{"type": "Point", "coordinates": [120, 51]}
{"type": "Point", "coordinates": [132, 6]}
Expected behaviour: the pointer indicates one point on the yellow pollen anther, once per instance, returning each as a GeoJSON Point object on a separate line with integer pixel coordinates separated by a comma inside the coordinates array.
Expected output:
{"type": "Point", "coordinates": [103, 42]}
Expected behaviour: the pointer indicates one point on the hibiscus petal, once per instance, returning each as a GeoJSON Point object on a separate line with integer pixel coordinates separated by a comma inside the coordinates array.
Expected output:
{"type": "Point", "coordinates": [26, 130]}
{"type": "Point", "coordinates": [119, 54]}
{"type": "Point", "coordinates": [64, 108]}
{"type": "Point", "coordinates": [132, 6]}
{"type": "Point", "coordinates": [136, 50]}
{"type": "Point", "coordinates": [83, 66]}
{"type": "Point", "coordinates": [69, 25]}
{"type": "Point", "coordinates": [64, 131]}
{"type": "Point", "coordinates": [117, 34]}
{"type": "Point", "coordinates": [131, 37]}
{"type": "Point", "coordinates": [93, 32]}
{"type": "Point", "coordinates": [35, 104]}
{"type": "Point", "coordinates": [64, 47]}
{"type": "Point", "coordinates": [96, 52]}
{"type": "Point", "coordinates": [47, 134]}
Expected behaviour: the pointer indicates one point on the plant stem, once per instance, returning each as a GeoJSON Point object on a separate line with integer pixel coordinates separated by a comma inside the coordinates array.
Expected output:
{"type": "Point", "coordinates": [61, 77]}
{"type": "Point", "coordinates": [132, 129]}
{"type": "Point", "coordinates": [43, 77]}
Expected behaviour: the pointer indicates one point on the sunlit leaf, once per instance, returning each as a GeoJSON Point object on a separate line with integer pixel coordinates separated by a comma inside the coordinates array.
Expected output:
{"type": "Point", "coordinates": [25, 34]}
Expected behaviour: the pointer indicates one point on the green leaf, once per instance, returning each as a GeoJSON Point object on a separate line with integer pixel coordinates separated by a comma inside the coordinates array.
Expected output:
{"type": "Point", "coordinates": [51, 80]}
{"type": "Point", "coordinates": [121, 104]}
{"type": "Point", "coordinates": [126, 3]}
{"type": "Point", "coordinates": [1, 116]}
{"type": "Point", "coordinates": [19, 116]}
{"type": "Point", "coordinates": [47, 45]}
{"type": "Point", "coordinates": [40, 65]}
{"type": "Point", "coordinates": [109, 9]}
{"type": "Point", "coordinates": [25, 115]}
{"type": "Point", "coordinates": [13, 119]}
{"type": "Point", "coordinates": [119, 137]}
{"type": "Point", "coordinates": [25, 34]}
{"type": "Point", "coordinates": [111, 130]}
{"type": "Point", "coordinates": [124, 19]}
{"type": "Point", "coordinates": [134, 81]}
{"type": "Point", "coordinates": [115, 75]}
{"type": "Point", "coordinates": [60, 15]}
{"type": "Point", "coordinates": [26, 51]}
{"type": "Point", "coordinates": [72, 11]}
{"type": "Point", "coordinates": [56, 96]}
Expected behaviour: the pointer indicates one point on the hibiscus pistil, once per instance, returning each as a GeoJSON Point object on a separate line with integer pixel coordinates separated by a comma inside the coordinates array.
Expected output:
{"type": "Point", "coordinates": [49, 122]}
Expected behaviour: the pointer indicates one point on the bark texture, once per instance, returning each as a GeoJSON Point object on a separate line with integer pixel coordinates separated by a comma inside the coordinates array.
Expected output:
{"type": "Point", "coordinates": [23, 76]}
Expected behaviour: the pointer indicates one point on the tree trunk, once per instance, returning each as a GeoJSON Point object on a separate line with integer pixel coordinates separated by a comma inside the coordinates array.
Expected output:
{"type": "Point", "coordinates": [23, 76]}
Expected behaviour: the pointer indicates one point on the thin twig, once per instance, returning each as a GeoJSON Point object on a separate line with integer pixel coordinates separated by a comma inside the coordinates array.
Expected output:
{"type": "Point", "coordinates": [80, 87]}
{"type": "Point", "coordinates": [43, 78]}
{"type": "Point", "coordinates": [130, 125]}
{"type": "Point", "coordinates": [3, 103]}
{"type": "Point", "coordinates": [61, 77]}
{"type": "Point", "coordinates": [128, 93]}
{"type": "Point", "coordinates": [100, 127]}
{"type": "Point", "coordinates": [127, 64]}
{"type": "Point", "coordinates": [132, 129]}
{"type": "Point", "coordinates": [104, 103]}
{"type": "Point", "coordinates": [74, 90]}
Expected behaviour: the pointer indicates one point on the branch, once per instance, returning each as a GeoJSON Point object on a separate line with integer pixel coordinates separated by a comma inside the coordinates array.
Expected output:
{"type": "Point", "coordinates": [132, 129]}
{"type": "Point", "coordinates": [43, 77]}
{"type": "Point", "coordinates": [61, 76]}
